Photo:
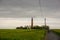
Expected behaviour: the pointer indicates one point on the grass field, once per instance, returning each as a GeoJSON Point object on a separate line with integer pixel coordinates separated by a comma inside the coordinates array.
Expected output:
{"type": "Point", "coordinates": [57, 31]}
{"type": "Point", "coordinates": [22, 34]}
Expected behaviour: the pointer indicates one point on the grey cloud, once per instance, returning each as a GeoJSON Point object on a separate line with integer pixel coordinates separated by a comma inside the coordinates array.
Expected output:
{"type": "Point", "coordinates": [28, 8]}
{"type": "Point", "coordinates": [52, 4]}
{"type": "Point", "coordinates": [21, 3]}
{"type": "Point", "coordinates": [20, 13]}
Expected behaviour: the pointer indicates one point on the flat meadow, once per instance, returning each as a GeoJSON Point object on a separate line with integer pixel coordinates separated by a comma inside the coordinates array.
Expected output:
{"type": "Point", "coordinates": [22, 34]}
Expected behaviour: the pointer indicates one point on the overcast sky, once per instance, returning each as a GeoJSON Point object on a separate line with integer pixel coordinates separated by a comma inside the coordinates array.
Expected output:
{"type": "Point", "coordinates": [14, 9]}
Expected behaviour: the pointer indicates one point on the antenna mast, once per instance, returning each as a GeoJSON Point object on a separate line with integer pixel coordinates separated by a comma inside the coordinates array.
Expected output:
{"type": "Point", "coordinates": [42, 13]}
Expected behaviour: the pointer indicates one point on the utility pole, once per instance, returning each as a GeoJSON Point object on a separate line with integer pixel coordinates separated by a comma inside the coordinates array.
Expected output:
{"type": "Point", "coordinates": [32, 22]}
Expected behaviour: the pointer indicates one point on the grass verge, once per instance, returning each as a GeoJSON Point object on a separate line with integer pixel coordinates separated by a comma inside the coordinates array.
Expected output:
{"type": "Point", "coordinates": [56, 31]}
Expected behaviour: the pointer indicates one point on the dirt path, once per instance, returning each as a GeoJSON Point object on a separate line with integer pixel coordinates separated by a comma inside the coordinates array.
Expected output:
{"type": "Point", "coordinates": [52, 36]}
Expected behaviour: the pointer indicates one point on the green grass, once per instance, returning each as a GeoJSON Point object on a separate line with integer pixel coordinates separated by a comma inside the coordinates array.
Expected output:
{"type": "Point", "coordinates": [57, 31]}
{"type": "Point", "coordinates": [22, 34]}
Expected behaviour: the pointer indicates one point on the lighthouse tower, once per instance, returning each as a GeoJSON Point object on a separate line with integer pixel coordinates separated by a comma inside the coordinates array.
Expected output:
{"type": "Point", "coordinates": [32, 22]}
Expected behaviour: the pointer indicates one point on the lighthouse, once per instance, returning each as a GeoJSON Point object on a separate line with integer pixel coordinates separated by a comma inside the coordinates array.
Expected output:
{"type": "Point", "coordinates": [32, 22]}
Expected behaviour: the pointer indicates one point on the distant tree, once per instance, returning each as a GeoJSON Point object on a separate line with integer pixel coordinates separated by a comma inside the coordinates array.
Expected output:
{"type": "Point", "coordinates": [34, 27]}
{"type": "Point", "coordinates": [25, 27]}
{"type": "Point", "coordinates": [37, 27]}
{"type": "Point", "coordinates": [17, 27]}
{"type": "Point", "coordinates": [21, 27]}
{"type": "Point", "coordinates": [45, 27]}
